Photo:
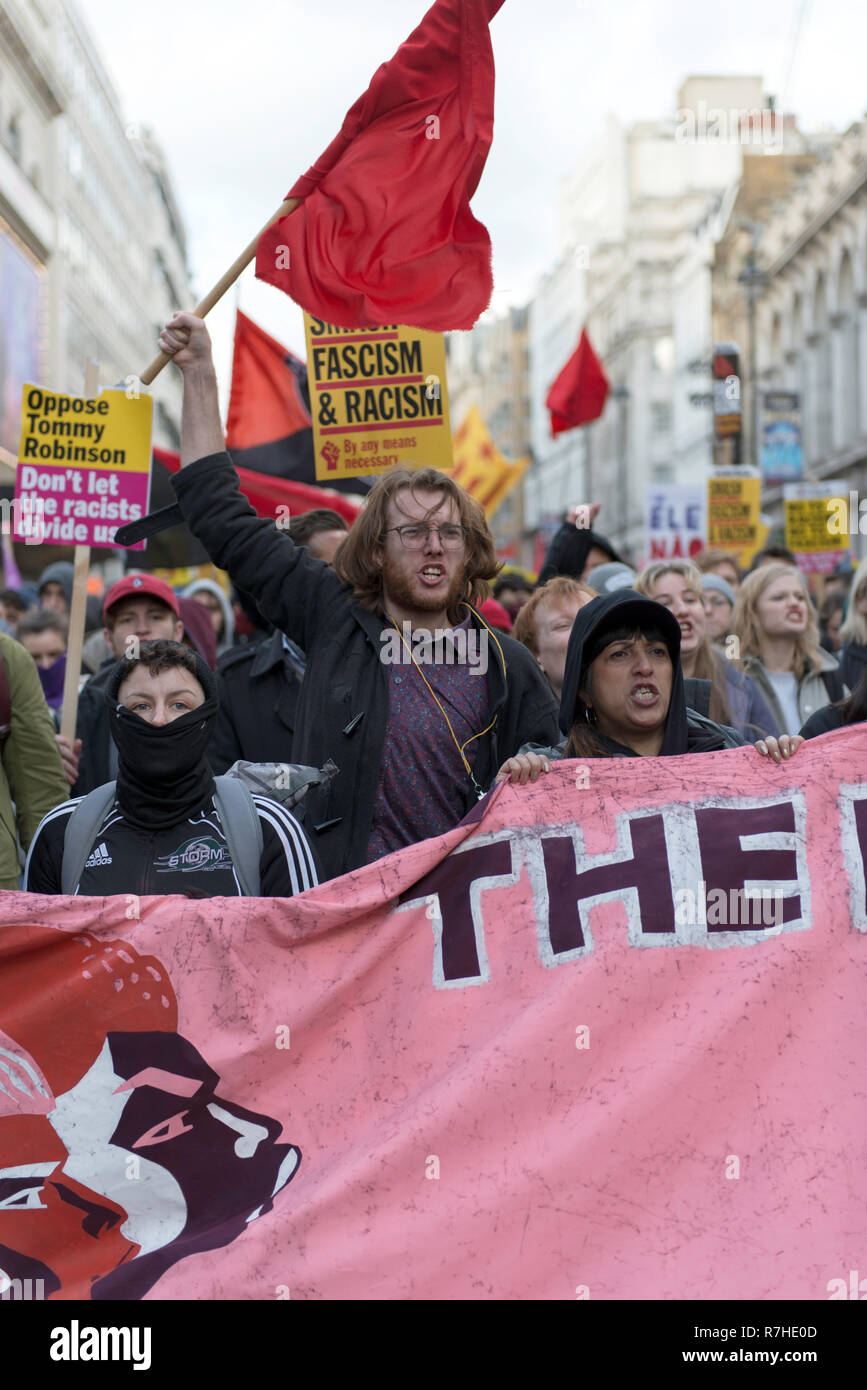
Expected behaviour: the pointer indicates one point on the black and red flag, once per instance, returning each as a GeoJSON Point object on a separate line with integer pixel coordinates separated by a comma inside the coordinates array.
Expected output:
{"type": "Point", "coordinates": [268, 429]}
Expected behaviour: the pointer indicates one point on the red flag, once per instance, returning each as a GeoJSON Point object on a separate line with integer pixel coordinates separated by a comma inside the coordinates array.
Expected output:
{"type": "Point", "coordinates": [384, 233]}
{"type": "Point", "coordinates": [265, 493]}
{"type": "Point", "coordinates": [580, 391]}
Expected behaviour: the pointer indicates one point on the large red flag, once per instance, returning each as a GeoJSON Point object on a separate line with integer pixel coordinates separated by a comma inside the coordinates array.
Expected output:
{"type": "Point", "coordinates": [580, 391]}
{"type": "Point", "coordinates": [384, 233]}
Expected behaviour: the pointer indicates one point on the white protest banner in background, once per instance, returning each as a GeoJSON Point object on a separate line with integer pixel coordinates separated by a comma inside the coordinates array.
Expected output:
{"type": "Point", "coordinates": [675, 520]}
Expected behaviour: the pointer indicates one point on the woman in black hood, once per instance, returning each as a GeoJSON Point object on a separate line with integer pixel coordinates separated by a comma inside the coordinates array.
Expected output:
{"type": "Point", "coordinates": [623, 692]}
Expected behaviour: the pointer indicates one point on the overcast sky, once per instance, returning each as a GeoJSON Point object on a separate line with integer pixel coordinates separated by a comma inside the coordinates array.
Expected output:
{"type": "Point", "coordinates": [244, 97]}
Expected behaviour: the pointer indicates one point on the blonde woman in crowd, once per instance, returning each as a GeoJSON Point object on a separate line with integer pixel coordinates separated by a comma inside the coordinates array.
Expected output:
{"type": "Point", "coordinates": [778, 632]}
{"type": "Point", "coordinates": [734, 699]}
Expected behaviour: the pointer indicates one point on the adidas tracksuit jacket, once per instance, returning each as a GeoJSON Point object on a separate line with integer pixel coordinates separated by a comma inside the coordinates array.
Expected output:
{"type": "Point", "coordinates": [190, 858]}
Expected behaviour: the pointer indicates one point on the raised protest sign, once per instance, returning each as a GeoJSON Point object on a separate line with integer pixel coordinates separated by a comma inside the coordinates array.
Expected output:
{"type": "Point", "coordinates": [811, 510]}
{"type": "Point", "coordinates": [377, 399]}
{"type": "Point", "coordinates": [675, 521]}
{"type": "Point", "coordinates": [556, 1053]}
{"type": "Point", "coordinates": [84, 463]}
{"type": "Point", "coordinates": [733, 520]}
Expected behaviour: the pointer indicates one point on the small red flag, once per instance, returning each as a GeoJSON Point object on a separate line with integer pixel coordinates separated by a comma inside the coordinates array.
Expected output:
{"type": "Point", "coordinates": [384, 233]}
{"type": "Point", "coordinates": [580, 391]}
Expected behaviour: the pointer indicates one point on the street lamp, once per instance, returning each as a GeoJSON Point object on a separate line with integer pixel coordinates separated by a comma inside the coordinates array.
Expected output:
{"type": "Point", "coordinates": [753, 281]}
{"type": "Point", "coordinates": [621, 395]}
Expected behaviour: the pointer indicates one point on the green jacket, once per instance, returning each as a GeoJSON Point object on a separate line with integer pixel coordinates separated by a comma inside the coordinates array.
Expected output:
{"type": "Point", "coordinates": [31, 772]}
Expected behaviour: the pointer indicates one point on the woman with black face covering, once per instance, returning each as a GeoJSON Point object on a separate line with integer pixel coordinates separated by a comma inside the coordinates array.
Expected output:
{"type": "Point", "coordinates": [162, 832]}
{"type": "Point", "coordinates": [623, 693]}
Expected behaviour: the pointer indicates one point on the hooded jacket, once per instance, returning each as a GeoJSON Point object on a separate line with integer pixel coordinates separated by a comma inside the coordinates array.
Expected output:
{"type": "Point", "coordinates": [210, 586]}
{"type": "Point", "coordinates": [685, 731]}
{"type": "Point", "coordinates": [61, 572]}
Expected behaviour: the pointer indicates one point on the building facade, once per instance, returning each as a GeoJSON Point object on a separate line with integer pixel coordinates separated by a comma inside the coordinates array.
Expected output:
{"type": "Point", "coordinates": [93, 254]}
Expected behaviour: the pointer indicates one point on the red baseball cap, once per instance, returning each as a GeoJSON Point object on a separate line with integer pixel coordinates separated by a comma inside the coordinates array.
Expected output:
{"type": "Point", "coordinates": [133, 585]}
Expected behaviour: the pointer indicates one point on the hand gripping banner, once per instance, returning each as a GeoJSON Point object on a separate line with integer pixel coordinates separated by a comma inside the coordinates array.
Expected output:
{"type": "Point", "coordinates": [603, 1040]}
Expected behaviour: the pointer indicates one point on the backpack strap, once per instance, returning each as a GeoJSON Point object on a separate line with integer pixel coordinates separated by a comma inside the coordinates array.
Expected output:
{"type": "Point", "coordinates": [5, 703]}
{"type": "Point", "coordinates": [81, 831]}
{"type": "Point", "coordinates": [243, 831]}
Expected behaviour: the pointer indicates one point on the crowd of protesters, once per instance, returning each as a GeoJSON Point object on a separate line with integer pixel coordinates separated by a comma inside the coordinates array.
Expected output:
{"type": "Point", "coordinates": [361, 689]}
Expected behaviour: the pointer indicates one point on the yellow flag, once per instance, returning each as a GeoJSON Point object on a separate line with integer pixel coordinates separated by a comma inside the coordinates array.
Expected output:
{"type": "Point", "coordinates": [480, 468]}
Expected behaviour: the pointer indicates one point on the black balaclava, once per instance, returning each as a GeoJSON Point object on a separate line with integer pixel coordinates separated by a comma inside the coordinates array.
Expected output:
{"type": "Point", "coordinates": [162, 775]}
{"type": "Point", "coordinates": [588, 638]}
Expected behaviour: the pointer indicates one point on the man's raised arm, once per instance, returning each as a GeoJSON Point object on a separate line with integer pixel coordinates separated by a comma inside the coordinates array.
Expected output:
{"type": "Point", "coordinates": [289, 585]}
{"type": "Point", "coordinates": [186, 339]}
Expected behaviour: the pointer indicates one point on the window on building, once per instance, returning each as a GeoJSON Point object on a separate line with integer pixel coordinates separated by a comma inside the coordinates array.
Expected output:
{"type": "Point", "coordinates": [660, 416]}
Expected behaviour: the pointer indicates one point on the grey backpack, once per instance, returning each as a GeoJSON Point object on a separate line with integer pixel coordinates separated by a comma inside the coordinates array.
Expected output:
{"type": "Point", "coordinates": [238, 816]}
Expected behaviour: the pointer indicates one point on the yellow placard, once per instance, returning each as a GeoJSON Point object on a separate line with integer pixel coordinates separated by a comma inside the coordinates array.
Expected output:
{"type": "Point", "coordinates": [83, 466]}
{"type": "Point", "coordinates": [808, 524]}
{"type": "Point", "coordinates": [733, 522]}
{"type": "Point", "coordinates": [813, 513]}
{"type": "Point", "coordinates": [378, 399]}
{"type": "Point", "coordinates": [111, 431]}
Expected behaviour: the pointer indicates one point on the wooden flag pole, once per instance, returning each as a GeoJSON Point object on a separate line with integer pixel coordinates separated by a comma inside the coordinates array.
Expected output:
{"type": "Point", "coordinates": [213, 296]}
{"type": "Point", "coordinates": [77, 607]}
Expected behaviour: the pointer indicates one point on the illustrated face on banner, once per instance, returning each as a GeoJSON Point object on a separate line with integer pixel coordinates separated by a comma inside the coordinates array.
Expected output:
{"type": "Point", "coordinates": [117, 1157]}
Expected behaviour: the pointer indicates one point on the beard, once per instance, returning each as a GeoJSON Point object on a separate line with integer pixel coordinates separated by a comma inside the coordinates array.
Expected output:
{"type": "Point", "coordinates": [400, 589]}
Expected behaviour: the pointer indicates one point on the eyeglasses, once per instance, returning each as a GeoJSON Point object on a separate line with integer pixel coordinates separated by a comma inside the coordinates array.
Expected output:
{"type": "Point", "coordinates": [415, 535]}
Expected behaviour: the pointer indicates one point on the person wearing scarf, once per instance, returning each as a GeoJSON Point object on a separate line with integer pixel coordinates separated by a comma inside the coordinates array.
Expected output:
{"type": "Point", "coordinates": [163, 833]}
{"type": "Point", "coordinates": [623, 693]}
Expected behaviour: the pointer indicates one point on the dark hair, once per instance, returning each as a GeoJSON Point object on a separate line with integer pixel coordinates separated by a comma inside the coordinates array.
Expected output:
{"type": "Point", "coordinates": [773, 552]}
{"type": "Point", "coordinates": [355, 562]}
{"type": "Point", "coordinates": [42, 620]}
{"type": "Point", "coordinates": [159, 656]}
{"type": "Point", "coordinates": [301, 528]}
{"type": "Point", "coordinates": [509, 579]}
{"type": "Point", "coordinates": [13, 599]}
{"type": "Point", "coordinates": [833, 602]}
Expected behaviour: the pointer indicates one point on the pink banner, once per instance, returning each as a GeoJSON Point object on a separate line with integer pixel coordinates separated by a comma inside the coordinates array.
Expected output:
{"type": "Point", "coordinates": [554, 1054]}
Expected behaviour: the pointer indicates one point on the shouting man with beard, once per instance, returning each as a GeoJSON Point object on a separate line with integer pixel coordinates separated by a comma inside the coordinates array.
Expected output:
{"type": "Point", "coordinates": [406, 688]}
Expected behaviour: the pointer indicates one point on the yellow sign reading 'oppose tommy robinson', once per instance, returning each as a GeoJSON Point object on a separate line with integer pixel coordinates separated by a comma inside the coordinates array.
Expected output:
{"type": "Point", "coordinates": [84, 464]}
{"type": "Point", "coordinates": [378, 399]}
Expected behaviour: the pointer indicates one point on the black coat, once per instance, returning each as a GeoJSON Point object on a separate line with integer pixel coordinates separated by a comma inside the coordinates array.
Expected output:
{"type": "Point", "coordinates": [258, 690]}
{"type": "Point", "coordinates": [853, 663]}
{"type": "Point", "coordinates": [342, 708]}
{"type": "Point", "coordinates": [568, 551]}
